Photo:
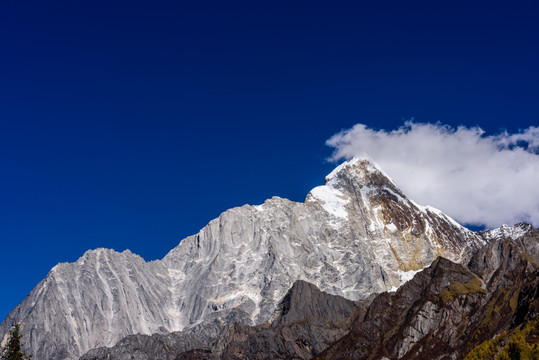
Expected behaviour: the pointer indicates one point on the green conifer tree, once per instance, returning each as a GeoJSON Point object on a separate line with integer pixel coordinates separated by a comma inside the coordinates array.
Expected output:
{"type": "Point", "coordinates": [13, 348]}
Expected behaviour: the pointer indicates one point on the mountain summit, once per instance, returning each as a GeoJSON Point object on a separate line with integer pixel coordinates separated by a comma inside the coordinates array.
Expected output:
{"type": "Point", "coordinates": [354, 236]}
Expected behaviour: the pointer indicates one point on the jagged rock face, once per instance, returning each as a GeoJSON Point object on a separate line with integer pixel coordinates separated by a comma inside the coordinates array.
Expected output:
{"type": "Point", "coordinates": [487, 261]}
{"type": "Point", "coordinates": [447, 309]}
{"type": "Point", "coordinates": [524, 236]}
{"type": "Point", "coordinates": [354, 236]}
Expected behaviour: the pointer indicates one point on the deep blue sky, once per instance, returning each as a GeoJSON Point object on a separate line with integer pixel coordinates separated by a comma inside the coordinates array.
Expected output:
{"type": "Point", "coordinates": [132, 124]}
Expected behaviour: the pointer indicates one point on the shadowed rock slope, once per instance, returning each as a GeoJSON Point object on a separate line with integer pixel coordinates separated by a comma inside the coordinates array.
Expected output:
{"type": "Point", "coordinates": [308, 322]}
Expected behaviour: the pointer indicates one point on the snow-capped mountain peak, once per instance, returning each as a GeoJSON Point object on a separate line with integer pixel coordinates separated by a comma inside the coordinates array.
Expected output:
{"type": "Point", "coordinates": [507, 231]}
{"type": "Point", "coordinates": [356, 174]}
{"type": "Point", "coordinates": [353, 236]}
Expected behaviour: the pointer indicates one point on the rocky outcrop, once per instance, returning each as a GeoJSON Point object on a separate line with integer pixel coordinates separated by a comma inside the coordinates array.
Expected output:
{"type": "Point", "coordinates": [354, 236]}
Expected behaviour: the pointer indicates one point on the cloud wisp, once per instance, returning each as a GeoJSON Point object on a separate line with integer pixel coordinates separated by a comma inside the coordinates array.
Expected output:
{"type": "Point", "coordinates": [474, 178]}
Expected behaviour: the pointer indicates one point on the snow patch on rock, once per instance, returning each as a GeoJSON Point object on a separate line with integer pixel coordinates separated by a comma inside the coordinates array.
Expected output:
{"type": "Point", "coordinates": [404, 277]}
{"type": "Point", "coordinates": [332, 200]}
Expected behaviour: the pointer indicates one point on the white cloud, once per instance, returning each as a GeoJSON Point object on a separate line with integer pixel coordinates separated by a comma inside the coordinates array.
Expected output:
{"type": "Point", "coordinates": [474, 178]}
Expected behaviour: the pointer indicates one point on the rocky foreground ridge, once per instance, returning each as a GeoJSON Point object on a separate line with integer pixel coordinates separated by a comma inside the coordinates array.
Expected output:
{"type": "Point", "coordinates": [356, 236]}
